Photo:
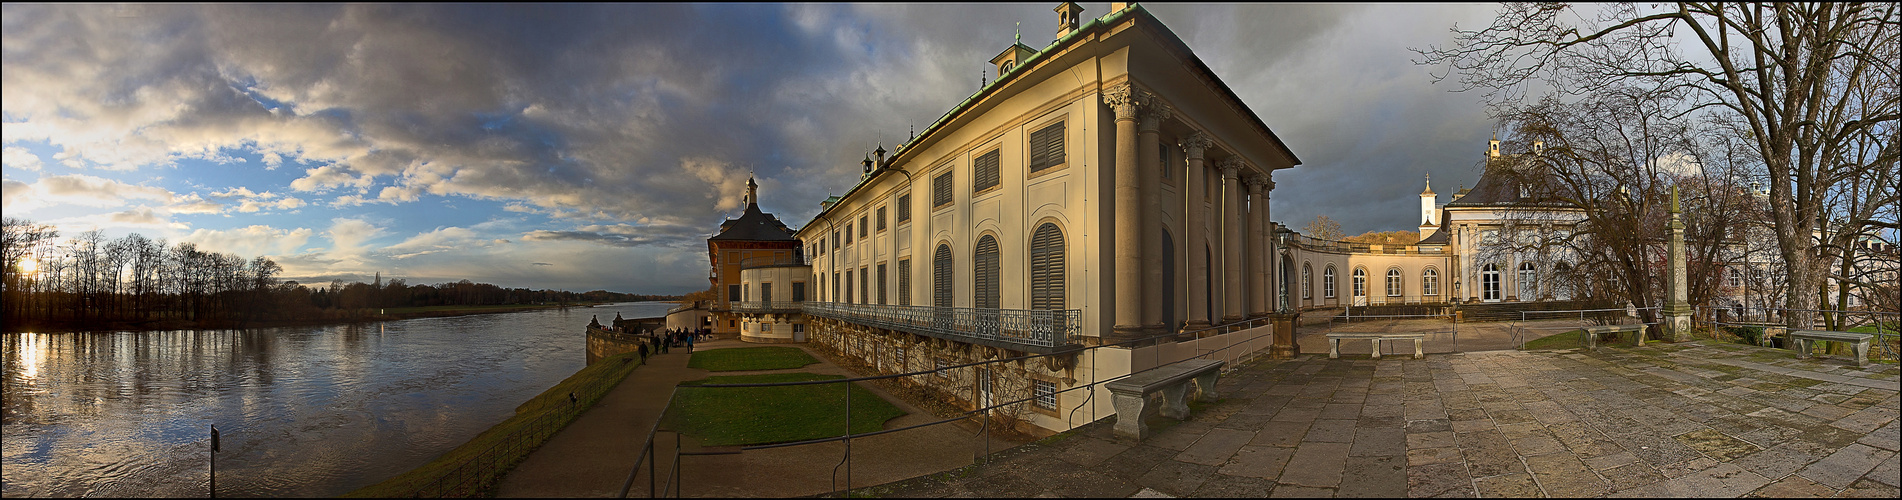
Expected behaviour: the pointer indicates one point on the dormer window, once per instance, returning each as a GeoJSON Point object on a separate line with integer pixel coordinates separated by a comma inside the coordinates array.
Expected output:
{"type": "Point", "coordinates": [1008, 65]}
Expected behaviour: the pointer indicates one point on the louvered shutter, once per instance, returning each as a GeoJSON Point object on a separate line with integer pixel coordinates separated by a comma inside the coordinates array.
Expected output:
{"type": "Point", "coordinates": [941, 190]}
{"type": "Point", "coordinates": [1046, 268]}
{"type": "Point", "coordinates": [985, 172]}
{"type": "Point", "coordinates": [1046, 147]}
{"type": "Point", "coordinates": [985, 260]}
{"type": "Point", "coordinates": [883, 279]}
{"type": "Point", "coordinates": [904, 282]}
{"type": "Point", "coordinates": [865, 296]}
{"type": "Point", "coordinates": [904, 207]}
{"type": "Point", "coordinates": [941, 277]}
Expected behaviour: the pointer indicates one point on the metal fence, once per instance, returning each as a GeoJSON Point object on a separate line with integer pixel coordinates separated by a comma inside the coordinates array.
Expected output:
{"type": "Point", "coordinates": [776, 306]}
{"type": "Point", "coordinates": [478, 476]}
{"type": "Point", "coordinates": [1039, 330]}
{"type": "Point", "coordinates": [1536, 322]}
{"type": "Point", "coordinates": [1209, 342]}
{"type": "Point", "coordinates": [1765, 323]}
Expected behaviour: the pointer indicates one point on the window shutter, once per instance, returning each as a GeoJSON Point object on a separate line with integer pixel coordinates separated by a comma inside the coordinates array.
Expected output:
{"type": "Point", "coordinates": [1046, 147]}
{"type": "Point", "coordinates": [883, 279]}
{"type": "Point", "coordinates": [985, 260]}
{"type": "Point", "coordinates": [904, 282]}
{"type": "Point", "coordinates": [865, 296]}
{"type": "Point", "coordinates": [941, 190]}
{"type": "Point", "coordinates": [904, 207]}
{"type": "Point", "coordinates": [941, 277]}
{"type": "Point", "coordinates": [1046, 268]}
{"type": "Point", "coordinates": [985, 171]}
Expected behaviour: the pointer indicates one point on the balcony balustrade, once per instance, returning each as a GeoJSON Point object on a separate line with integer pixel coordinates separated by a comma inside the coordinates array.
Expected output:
{"type": "Point", "coordinates": [762, 307]}
{"type": "Point", "coordinates": [1038, 331]}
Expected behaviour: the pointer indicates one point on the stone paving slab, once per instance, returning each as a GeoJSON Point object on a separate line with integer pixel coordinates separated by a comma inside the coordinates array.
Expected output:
{"type": "Point", "coordinates": [1696, 419]}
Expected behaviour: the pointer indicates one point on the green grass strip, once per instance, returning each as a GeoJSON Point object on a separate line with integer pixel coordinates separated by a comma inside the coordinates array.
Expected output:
{"type": "Point", "coordinates": [750, 358]}
{"type": "Point", "coordinates": [763, 415]}
{"type": "Point", "coordinates": [502, 446]}
{"type": "Point", "coordinates": [1566, 340]}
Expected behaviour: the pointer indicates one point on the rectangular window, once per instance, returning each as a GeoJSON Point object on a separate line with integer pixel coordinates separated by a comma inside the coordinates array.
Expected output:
{"type": "Point", "coordinates": [835, 240]}
{"type": "Point", "coordinates": [898, 356]}
{"type": "Point", "coordinates": [1164, 153]}
{"type": "Point", "coordinates": [848, 287]}
{"type": "Point", "coordinates": [835, 286]}
{"type": "Point", "coordinates": [848, 233]}
{"type": "Point", "coordinates": [1044, 394]}
{"type": "Point", "coordinates": [1046, 147]}
{"type": "Point", "coordinates": [904, 207]}
{"type": "Point", "coordinates": [937, 367]}
{"type": "Point", "coordinates": [984, 172]}
{"type": "Point", "coordinates": [799, 291]}
{"type": "Point", "coordinates": [862, 226]}
{"type": "Point", "coordinates": [904, 282]}
{"type": "Point", "coordinates": [882, 280]}
{"type": "Point", "coordinates": [732, 293]}
{"type": "Point", "coordinates": [745, 291]}
{"type": "Point", "coordinates": [881, 218]}
{"type": "Point", "coordinates": [766, 292]}
{"type": "Point", "coordinates": [865, 285]}
{"type": "Point", "coordinates": [941, 190]}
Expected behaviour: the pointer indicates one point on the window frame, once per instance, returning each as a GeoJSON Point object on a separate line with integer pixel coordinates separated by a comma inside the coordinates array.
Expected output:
{"type": "Point", "coordinates": [1396, 283]}
{"type": "Point", "coordinates": [995, 175]}
{"type": "Point", "coordinates": [1038, 395]}
{"type": "Point", "coordinates": [944, 189]}
{"type": "Point", "coordinates": [904, 208]}
{"type": "Point", "coordinates": [1032, 147]}
{"type": "Point", "coordinates": [1430, 282]}
{"type": "Point", "coordinates": [1328, 283]}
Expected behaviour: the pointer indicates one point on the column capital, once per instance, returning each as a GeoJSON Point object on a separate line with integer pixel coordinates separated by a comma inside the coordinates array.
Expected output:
{"type": "Point", "coordinates": [1257, 182]}
{"type": "Point", "coordinates": [1196, 144]}
{"type": "Point", "coordinates": [1124, 99]}
{"type": "Point", "coordinates": [1154, 113]}
{"type": "Point", "coordinates": [1231, 166]}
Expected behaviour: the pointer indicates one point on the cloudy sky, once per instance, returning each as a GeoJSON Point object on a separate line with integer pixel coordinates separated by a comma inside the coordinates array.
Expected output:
{"type": "Point", "coordinates": [595, 146]}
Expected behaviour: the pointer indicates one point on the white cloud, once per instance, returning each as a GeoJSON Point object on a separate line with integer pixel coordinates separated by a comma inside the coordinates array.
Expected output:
{"type": "Point", "coordinates": [21, 159]}
{"type": "Point", "coordinates": [347, 237]}
{"type": "Point", "coordinates": [79, 189]}
{"type": "Point", "coordinates": [250, 241]}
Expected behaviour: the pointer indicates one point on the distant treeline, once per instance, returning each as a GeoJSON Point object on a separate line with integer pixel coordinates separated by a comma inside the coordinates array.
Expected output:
{"type": "Point", "coordinates": [90, 282]}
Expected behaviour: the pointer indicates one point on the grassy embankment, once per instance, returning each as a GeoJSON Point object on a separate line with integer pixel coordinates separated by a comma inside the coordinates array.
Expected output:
{"type": "Point", "coordinates": [507, 443]}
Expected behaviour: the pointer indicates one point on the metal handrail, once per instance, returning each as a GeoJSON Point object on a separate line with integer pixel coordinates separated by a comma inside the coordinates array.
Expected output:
{"type": "Point", "coordinates": [1024, 327]}
{"type": "Point", "coordinates": [776, 306]}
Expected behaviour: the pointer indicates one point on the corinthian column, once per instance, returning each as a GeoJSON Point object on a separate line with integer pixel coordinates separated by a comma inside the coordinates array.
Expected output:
{"type": "Point", "coordinates": [1231, 239]}
{"type": "Point", "coordinates": [1196, 233]}
{"type": "Point", "coordinates": [1150, 153]}
{"type": "Point", "coordinates": [1257, 248]}
{"type": "Point", "coordinates": [1128, 256]}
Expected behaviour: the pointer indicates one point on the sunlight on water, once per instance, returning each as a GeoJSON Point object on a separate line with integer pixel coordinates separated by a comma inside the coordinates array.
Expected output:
{"type": "Point", "coordinates": [301, 411]}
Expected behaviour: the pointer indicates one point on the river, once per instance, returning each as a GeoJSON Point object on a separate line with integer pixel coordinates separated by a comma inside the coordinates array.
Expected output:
{"type": "Point", "coordinates": [301, 411]}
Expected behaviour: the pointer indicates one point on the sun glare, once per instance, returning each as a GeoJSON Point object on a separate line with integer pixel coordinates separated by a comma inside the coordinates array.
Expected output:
{"type": "Point", "coordinates": [28, 265]}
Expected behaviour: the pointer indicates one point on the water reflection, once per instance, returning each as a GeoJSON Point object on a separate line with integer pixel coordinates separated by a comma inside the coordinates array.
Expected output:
{"type": "Point", "coordinates": [302, 411]}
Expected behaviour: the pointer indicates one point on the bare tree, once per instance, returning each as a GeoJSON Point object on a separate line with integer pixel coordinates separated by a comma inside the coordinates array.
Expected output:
{"type": "Point", "coordinates": [1797, 81]}
{"type": "Point", "coordinates": [1324, 228]}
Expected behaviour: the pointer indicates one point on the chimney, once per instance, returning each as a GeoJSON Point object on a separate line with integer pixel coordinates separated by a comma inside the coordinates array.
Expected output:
{"type": "Point", "coordinates": [881, 154]}
{"type": "Point", "coordinates": [1067, 15]}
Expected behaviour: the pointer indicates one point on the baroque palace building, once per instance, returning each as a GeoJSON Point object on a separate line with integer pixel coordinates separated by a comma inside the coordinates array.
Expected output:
{"type": "Point", "coordinates": [1106, 190]}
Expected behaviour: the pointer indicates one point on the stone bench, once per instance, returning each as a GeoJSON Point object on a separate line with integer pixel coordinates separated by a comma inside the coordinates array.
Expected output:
{"type": "Point", "coordinates": [1334, 342]}
{"type": "Point", "coordinates": [1592, 333]}
{"type": "Point", "coordinates": [1131, 395]}
{"type": "Point", "coordinates": [1801, 340]}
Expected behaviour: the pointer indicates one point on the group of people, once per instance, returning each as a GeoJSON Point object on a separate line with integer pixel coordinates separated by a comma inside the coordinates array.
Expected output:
{"type": "Point", "coordinates": [662, 340]}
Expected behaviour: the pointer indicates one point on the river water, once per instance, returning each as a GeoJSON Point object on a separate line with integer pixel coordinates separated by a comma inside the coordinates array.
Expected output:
{"type": "Point", "coordinates": [301, 411]}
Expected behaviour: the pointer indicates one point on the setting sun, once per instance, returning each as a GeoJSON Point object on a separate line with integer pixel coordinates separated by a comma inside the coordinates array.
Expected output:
{"type": "Point", "coordinates": [28, 265]}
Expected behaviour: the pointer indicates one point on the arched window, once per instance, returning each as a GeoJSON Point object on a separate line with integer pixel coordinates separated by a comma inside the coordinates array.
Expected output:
{"type": "Point", "coordinates": [1046, 268]}
{"type": "Point", "coordinates": [1489, 282]}
{"type": "Point", "coordinates": [1528, 281]}
{"type": "Point", "coordinates": [1327, 282]}
{"type": "Point", "coordinates": [984, 270]}
{"type": "Point", "coordinates": [1393, 282]}
{"type": "Point", "coordinates": [941, 275]}
{"type": "Point", "coordinates": [1430, 282]}
{"type": "Point", "coordinates": [1360, 282]}
{"type": "Point", "coordinates": [1307, 281]}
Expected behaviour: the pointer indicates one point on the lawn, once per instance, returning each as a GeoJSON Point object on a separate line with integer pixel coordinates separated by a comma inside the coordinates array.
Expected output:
{"type": "Point", "coordinates": [750, 358]}
{"type": "Point", "coordinates": [1565, 340]}
{"type": "Point", "coordinates": [763, 415]}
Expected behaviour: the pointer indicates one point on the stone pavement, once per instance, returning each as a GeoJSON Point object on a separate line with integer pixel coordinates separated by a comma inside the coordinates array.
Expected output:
{"type": "Point", "coordinates": [1700, 419]}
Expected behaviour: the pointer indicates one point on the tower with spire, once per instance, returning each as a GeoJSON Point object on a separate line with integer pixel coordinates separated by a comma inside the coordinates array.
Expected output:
{"type": "Point", "coordinates": [1429, 215]}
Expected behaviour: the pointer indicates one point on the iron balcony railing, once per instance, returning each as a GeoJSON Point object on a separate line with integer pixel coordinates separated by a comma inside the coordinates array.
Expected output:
{"type": "Point", "coordinates": [776, 306]}
{"type": "Point", "coordinates": [1020, 329]}
{"type": "Point", "coordinates": [772, 261]}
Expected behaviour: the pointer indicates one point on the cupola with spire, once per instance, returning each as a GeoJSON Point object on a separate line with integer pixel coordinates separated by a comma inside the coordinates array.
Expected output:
{"type": "Point", "coordinates": [1016, 54]}
{"type": "Point", "coordinates": [1068, 14]}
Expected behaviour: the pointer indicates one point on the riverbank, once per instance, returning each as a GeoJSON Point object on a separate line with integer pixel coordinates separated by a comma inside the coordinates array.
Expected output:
{"type": "Point", "coordinates": [474, 468]}
{"type": "Point", "coordinates": [334, 318]}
